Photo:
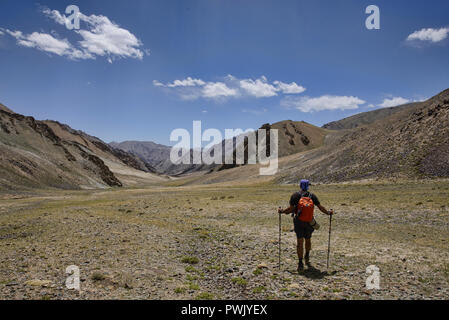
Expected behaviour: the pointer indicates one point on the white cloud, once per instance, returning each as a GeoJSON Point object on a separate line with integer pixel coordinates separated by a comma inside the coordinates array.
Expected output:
{"type": "Point", "coordinates": [15, 34]}
{"type": "Point", "coordinates": [326, 102]}
{"type": "Point", "coordinates": [429, 34]}
{"type": "Point", "coordinates": [191, 88]}
{"type": "Point", "coordinates": [258, 88]}
{"type": "Point", "coordinates": [107, 39]}
{"type": "Point", "coordinates": [218, 90]}
{"type": "Point", "coordinates": [56, 16]}
{"type": "Point", "coordinates": [101, 38]}
{"type": "Point", "coordinates": [48, 43]}
{"type": "Point", "coordinates": [188, 82]}
{"type": "Point", "coordinates": [158, 83]}
{"type": "Point", "coordinates": [393, 102]}
{"type": "Point", "coordinates": [1, 33]}
{"type": "Point", "coordinates": [289, 88]}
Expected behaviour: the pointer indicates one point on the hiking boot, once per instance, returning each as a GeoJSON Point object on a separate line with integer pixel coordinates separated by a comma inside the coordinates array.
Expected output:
{"type": "Point", "coordinates": [300, 266]}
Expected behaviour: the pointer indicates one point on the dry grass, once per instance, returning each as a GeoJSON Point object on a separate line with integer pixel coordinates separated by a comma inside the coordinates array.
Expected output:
{"type": "Point", "coordinates": [143, 242]}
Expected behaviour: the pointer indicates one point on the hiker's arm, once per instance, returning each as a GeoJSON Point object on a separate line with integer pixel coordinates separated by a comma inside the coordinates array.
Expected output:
{"type": "Point", "coordinates": [287, 211]}
{"type": "Point", "coordinates": [324, 210]}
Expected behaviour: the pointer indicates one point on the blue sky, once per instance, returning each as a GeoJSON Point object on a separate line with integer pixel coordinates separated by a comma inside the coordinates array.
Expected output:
{"type": "Point", "coordinates": [137, 70]}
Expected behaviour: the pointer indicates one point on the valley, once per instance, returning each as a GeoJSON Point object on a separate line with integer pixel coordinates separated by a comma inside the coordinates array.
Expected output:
{"type": "Point", "coordinates": [221, 242]}
{"type": "Point", "coordinates": [138, 227]}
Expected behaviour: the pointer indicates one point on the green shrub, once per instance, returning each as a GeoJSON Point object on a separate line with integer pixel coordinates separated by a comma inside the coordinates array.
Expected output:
{"type": "Point", "coordinates": [204, 296]}
{"type": "Point", "coordinates": [259, 289]}
{"type": "Point", "coordinates": [239, 281]}
{"type": "Point", "coordinates": [257, 272]}
{"type": "Point", "coordinates": [190, 260]}
{"type": "Point", "coordinates": [194, 286]}
{"type": "Point", "coordinates": [180, 290]}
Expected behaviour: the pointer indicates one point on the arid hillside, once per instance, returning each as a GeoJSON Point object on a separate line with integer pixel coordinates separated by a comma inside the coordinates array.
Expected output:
{"type": "Point", "coordinates": [152, 153]}
{"type": "Point", "coordinates": [365, 118]}
{"type": "Point", "coordinates": [294, 137]}
{"type": "Point", "coordinates": [297, 136]}
{"type": "Point", "coordinates": [411, 143]}
{"type": "Point", "coordinates": [41, 154]}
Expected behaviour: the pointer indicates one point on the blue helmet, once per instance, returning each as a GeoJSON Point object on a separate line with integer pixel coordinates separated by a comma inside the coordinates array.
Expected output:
{"type": "Point", "coordinates": [304, 184]}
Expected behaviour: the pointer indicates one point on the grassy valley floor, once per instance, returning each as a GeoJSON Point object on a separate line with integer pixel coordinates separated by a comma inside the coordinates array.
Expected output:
{"type": "Point", "coordinates": [221, 242]}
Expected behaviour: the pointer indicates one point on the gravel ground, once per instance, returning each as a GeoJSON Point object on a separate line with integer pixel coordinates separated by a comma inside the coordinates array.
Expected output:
{"type": "Point", "coordinates": [221, 242]}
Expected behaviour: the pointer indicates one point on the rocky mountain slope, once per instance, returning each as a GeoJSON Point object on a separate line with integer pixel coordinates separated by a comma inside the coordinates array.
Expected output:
{"type": "Point", "coordinates": [412, 142]}
{"type": "Point", "coordinates": [5, 108]}
{"type": "Point", "coordinates": [154, 154]}
{"type": "Point", "coordinates": [294, 137]}
{"type": "Point", "coordinates": [39, 154]}
{"type": "Point", "coordinates": [158, 156]}
{"type": "Point", "coordinates": [365, 118]}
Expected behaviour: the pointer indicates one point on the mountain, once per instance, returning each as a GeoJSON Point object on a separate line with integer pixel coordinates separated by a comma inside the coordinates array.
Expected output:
{"type": "Point", "coordinates": [152, 153]}
{"type": "Point", "coordinates": [158, 156]}
{"type": "Point", "coordinates": [41, 154]}
{"type": "Point", "coordinates": [411, 142]}
{"type": "Point", "coordinates": [297, 136]}
{"type": "Point", "coordinates": [365, 118]}
{"type": "Point", "coordinates": [6, 109]}
{"type": "Point", "coordinates": [294, 137]}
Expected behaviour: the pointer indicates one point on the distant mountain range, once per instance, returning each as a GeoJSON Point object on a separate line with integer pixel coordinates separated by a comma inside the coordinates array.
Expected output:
{"type": "Point", "coordinates": [409, 141]}
{"type": "Point", "coordinates": [153, 153]}
{"type": "Point", "coordinates": [294, 137]}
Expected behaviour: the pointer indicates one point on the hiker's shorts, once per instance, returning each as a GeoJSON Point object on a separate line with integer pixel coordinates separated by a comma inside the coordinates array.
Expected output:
{"type": "Point", "coordinates": [303, 229]}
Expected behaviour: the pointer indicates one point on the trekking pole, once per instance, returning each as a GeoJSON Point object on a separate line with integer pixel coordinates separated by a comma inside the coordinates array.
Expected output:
{"type": "Point", "coordinates": [329, 242]}
{"type": "Point", "coordinates": [280, 240]}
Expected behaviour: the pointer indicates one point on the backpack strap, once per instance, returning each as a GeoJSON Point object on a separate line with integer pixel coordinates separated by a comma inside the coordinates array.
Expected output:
{"type": "Point", "coordinates": [295, 214]}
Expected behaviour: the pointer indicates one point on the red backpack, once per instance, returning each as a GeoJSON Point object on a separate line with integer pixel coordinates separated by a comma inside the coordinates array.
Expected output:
{"type": "Point", "coordinates": [305, 208]}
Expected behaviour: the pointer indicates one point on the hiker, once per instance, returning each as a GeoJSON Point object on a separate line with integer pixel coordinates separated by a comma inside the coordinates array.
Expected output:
{"type": "Point", "coordinates": [302, 204]}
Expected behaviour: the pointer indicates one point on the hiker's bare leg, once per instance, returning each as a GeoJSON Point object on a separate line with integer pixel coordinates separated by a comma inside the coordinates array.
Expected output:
{"type": "Point", "coordinates": [308, 248]}
{"type": "Point", "coordinates": [300, 247]}
{"type": "Point", "coordinates": [308, 245]}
